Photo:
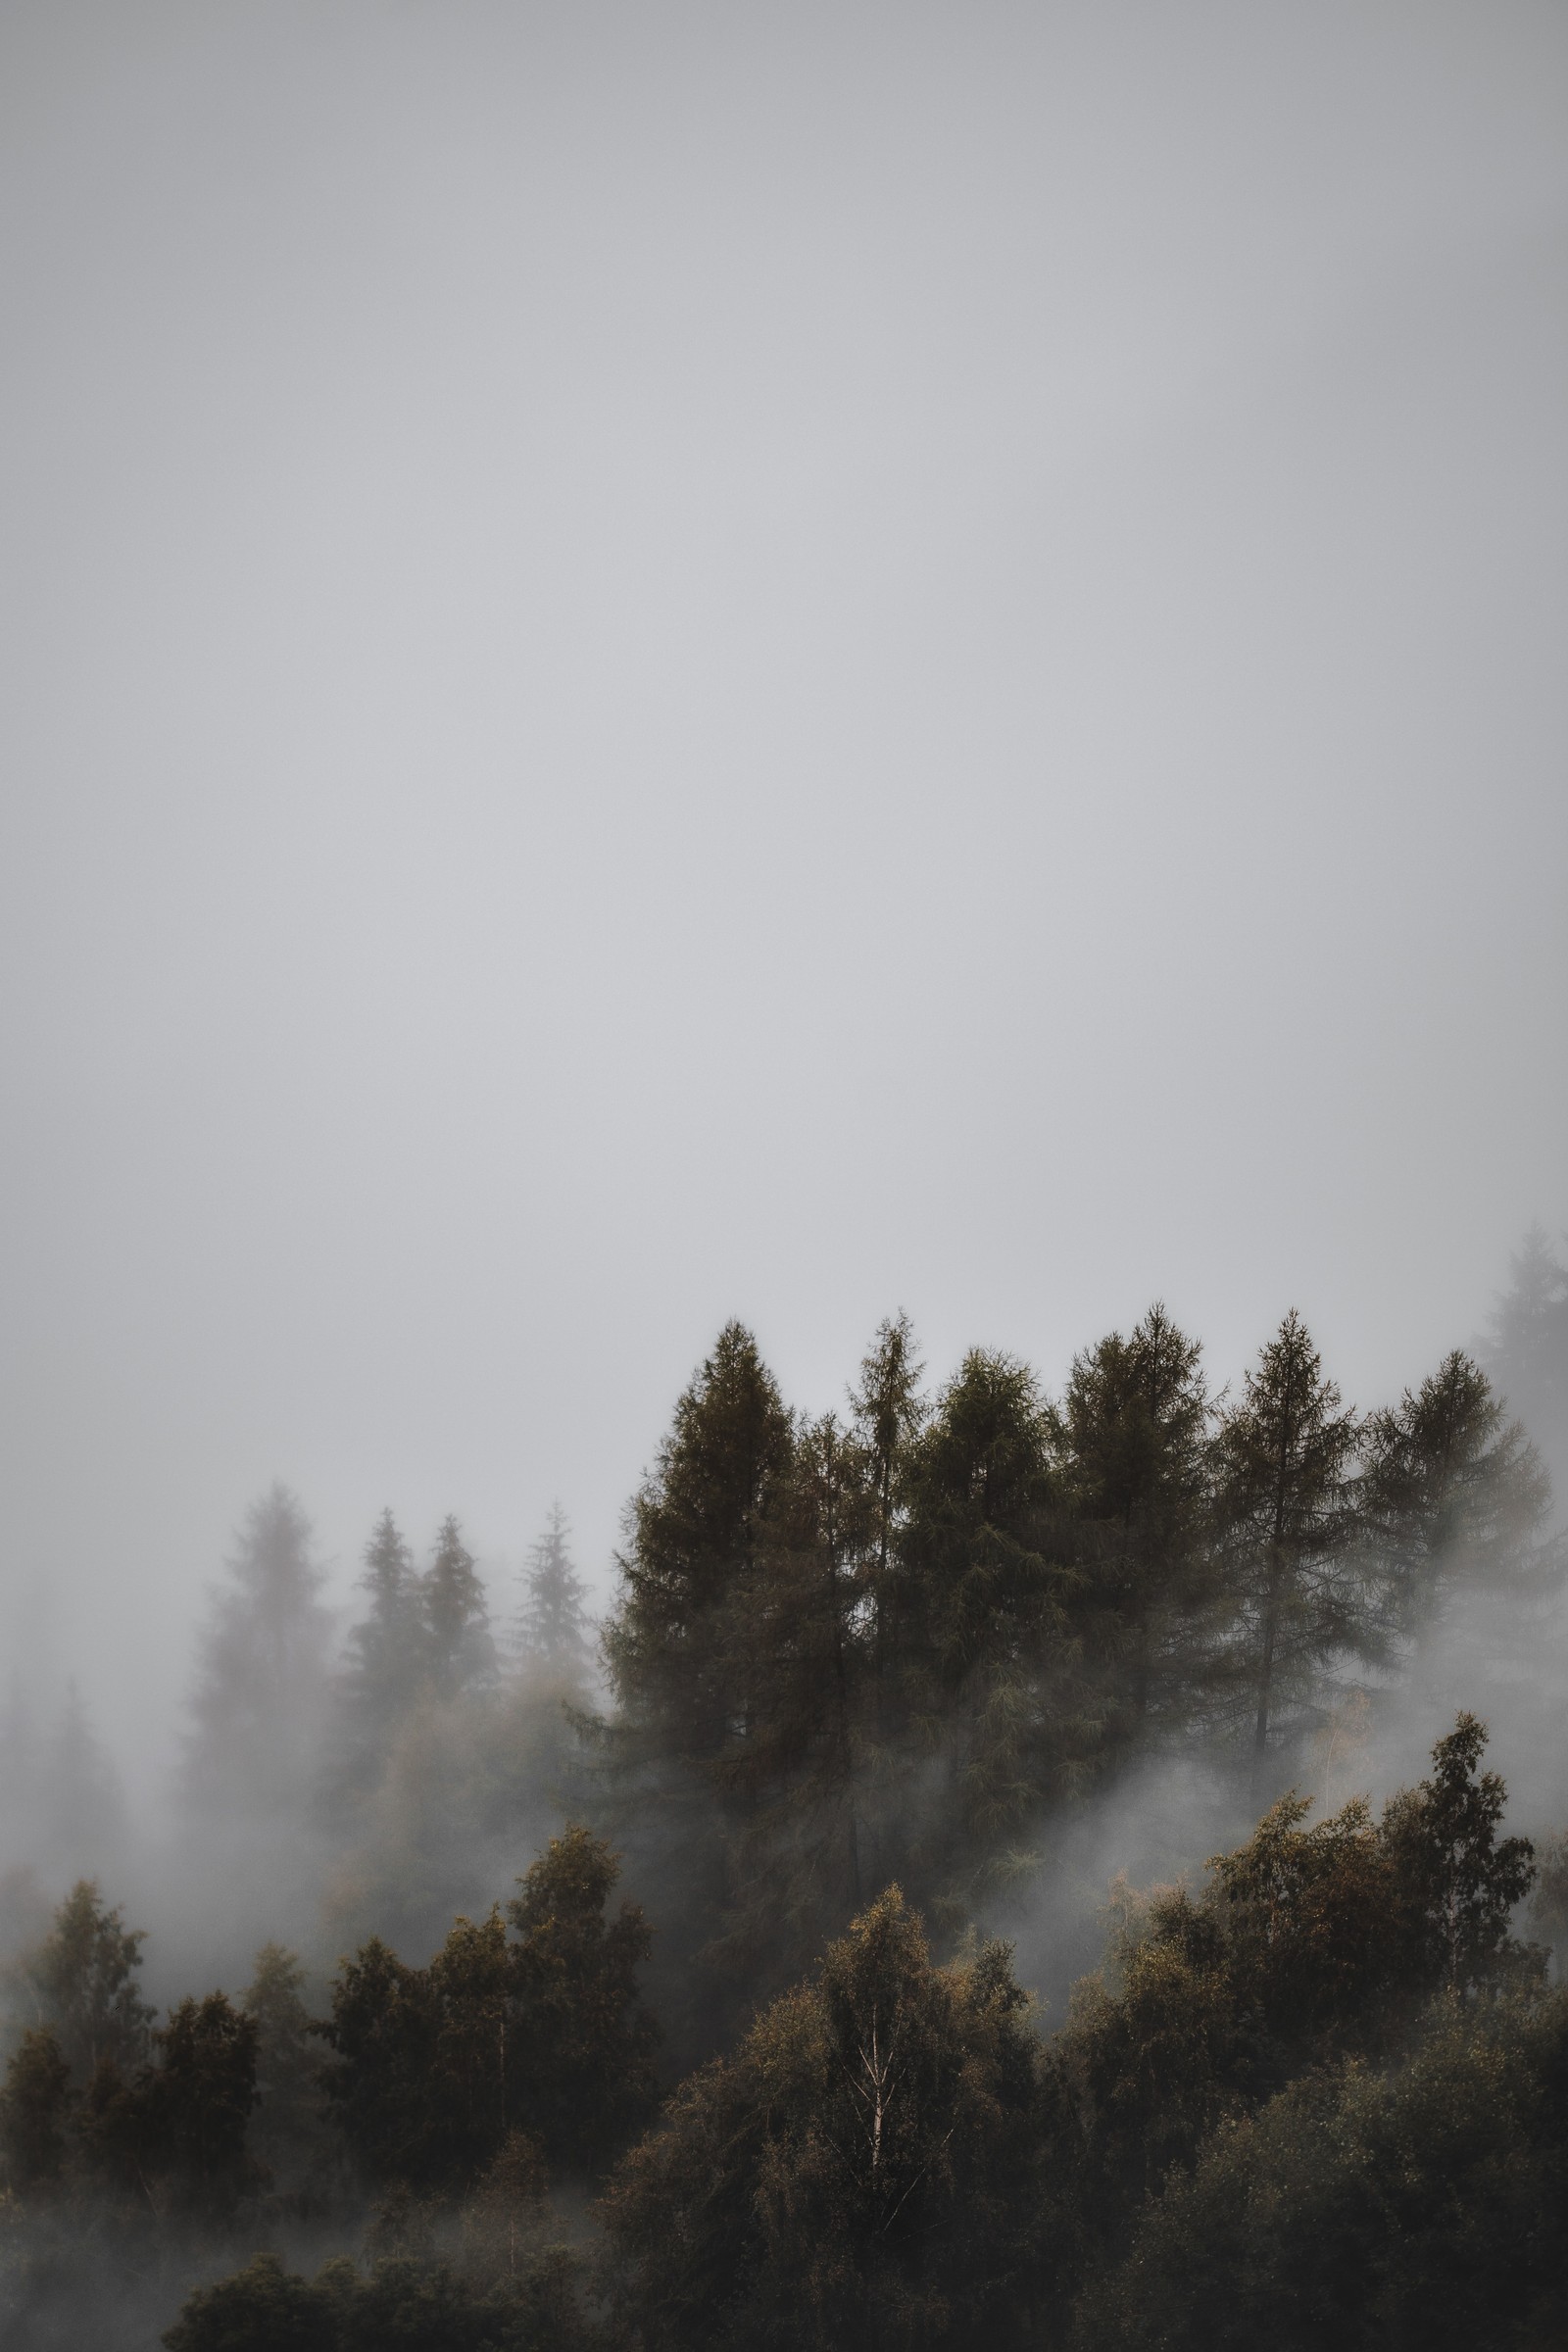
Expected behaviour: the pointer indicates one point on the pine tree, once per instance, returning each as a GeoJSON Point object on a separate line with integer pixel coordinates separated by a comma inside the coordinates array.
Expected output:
{"type": "Point", "coordinates": [553, 1622]}
{"type": "Point", "coordinates": [798, 1643]}
{"type": "Point", "coordinates": [1134, 1424]}
{"type": "Point", "coordinates": [1451, 1495]}
{"type": "Point", "coordinates": [259, 1701]}
{"type": "Point", "coordinates": [388, 1658]}
{"type": "Point", "coordinates": [987, 1670]}
{"type": "Point", "coordinates": [460, 1652]}
{"type": "Point", "coordinates": [693, 1534]}
{"type": "Point", "coordinates": [1283, 1459]}
{"type": "Point", "coordinates": [889, 1412]}
{"type": "Point", "coordinates": [687, 1669]}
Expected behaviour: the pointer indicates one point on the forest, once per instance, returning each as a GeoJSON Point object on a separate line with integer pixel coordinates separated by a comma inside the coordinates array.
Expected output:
{"type": "Point", "coordinates": [1010, 1869]}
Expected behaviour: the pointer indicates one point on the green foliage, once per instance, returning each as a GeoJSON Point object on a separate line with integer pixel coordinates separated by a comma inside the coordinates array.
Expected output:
{"type": "Point", "coordinates": [695, 1528]}
{"type": "Point", "coordinates": [588, 2043]}
{"type": "Point", "coordinates": [1450, 1494]}
{"type": "Point", "coordinates": [1426, 2207]}
{"type": "Point", "coordinates": [1307, 1943]}
{"type": "Point", "coordinates": [542, 2033]}
{"type": "Point", "coordinates": [868, 2168]}
{"type": "Point", "coordinates": [1135, 1427]}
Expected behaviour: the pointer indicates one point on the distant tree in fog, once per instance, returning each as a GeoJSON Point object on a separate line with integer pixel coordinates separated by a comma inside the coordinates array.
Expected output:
{"type": "Point", "coordinates": [1451, 1493]}
{"type": "Point", "coordinates": [64, 1809]}
{"type": "Point", "coordinates": [80, 1983]}
{"type": "Point", "coordinates": [460, 1652]}
{"type": "Point", "coordinates": [261, 1676]}
{"type": "Point", "coordinates": [552, 1624]}
{"type": "Point", "coordinates": [1526, 1351]}
{"type": "Point", "coordinates": [386, 1662]}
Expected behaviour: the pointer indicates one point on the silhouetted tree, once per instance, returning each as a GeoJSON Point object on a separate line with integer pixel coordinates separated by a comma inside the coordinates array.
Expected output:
{"type": "Point", "coordinates": [1135, 1424]}
{"type": "Point", "coordinates": [541, 2033]}
{"type": "Point", "coordinates": [1284, 1457]}
{"type": "Point", "coordinates": [1451, 1494]}
{"type": "Point", "coordinates": [989, 1670]}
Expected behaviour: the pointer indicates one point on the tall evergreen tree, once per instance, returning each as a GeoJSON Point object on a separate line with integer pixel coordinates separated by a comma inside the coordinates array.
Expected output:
{"type": "Point", "coordinates": [1135, 1429]}
{"type": "Point", "coordinates": [987, 1671]}
{"type": "Point", "coordinates": [553, 1626]}
{"type": "Point", "coordinates": [686, 1665]}
{"type": "Point", "coordinates": [260, 1700]}
{"type": "Point", "coordinates": [1450, 1494]}
{"type": "Point", "coordinates": [889, 1412]}
{"type": "Point", "coordinates": [387, 1649]}
{"type": "Point", "coordinates": [1285, 1452]}
{"type": "Point", "coordinates": [694, 1534]}
{"type": "Point", "coordinates": [460, 1652]}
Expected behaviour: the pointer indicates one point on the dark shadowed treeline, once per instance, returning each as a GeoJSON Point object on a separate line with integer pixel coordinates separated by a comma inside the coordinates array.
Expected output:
{"type": "Point", "coordinates": [875, 1684]}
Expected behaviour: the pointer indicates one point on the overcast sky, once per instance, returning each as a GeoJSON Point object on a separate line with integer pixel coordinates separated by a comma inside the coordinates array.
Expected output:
{"type": "Point", "coordinates": [664, 662]}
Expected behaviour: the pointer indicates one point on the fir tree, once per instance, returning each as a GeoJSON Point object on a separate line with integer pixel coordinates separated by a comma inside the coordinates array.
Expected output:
{"type": "Point", "coordinates": [553, 1626]}
{"type": "Point", "coordinates": [987, 1669]}
{"type": "Point", "coordinates": [258, 1705]}
{"type": "Point", "coordinates": [388, 1648]}
{"type": "Point", "coordinates": [1135, 1424]}
{"type": "Point", "coordinates": [694, 1534]}
{"type": "Point", "coordinates": [459, 1654]}
{"type": "Point", "coordinates": [1283, 1459]}
{"type": "Point", "coordinates": [1451, 1493]}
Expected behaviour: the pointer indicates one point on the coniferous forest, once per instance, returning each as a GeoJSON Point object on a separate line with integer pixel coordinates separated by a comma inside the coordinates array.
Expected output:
{"type": "Point", "coordinates": [1012, 1869]}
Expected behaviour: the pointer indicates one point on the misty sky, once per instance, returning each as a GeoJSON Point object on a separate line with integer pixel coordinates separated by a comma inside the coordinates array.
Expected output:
{"type": "Point", "coordinates": [670, 660]}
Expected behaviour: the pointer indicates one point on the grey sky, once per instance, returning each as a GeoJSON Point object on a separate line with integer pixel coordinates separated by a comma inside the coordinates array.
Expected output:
{"type": "Point", "coordinates": [665, 660]}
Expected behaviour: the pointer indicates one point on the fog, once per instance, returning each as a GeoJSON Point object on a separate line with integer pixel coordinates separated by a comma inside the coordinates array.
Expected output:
{"type": "Point", "coordinates": [674, 662]}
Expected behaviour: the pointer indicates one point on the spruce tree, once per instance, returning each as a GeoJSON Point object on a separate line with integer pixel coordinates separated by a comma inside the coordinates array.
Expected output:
{"type": "Point", "coordinates": [1451, 1494]}
{"type": "Point", "coordinates": [987, 1671]}
{"type": "Point", "coordinates": [694, 1534]}
{"type": "Point", "coordinates": [690, 1676]}
{"type": "Point", "coordinates": [459, 1654]}
{"type": "Point", "coordinates": [553, 1626]}
{"type": "Point", "coordinates": [260, 1700]}
{"type": "Point", "coordinates": [1284, 1455]}
{"type": "Point", "coordinates": [1134, 1423]}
